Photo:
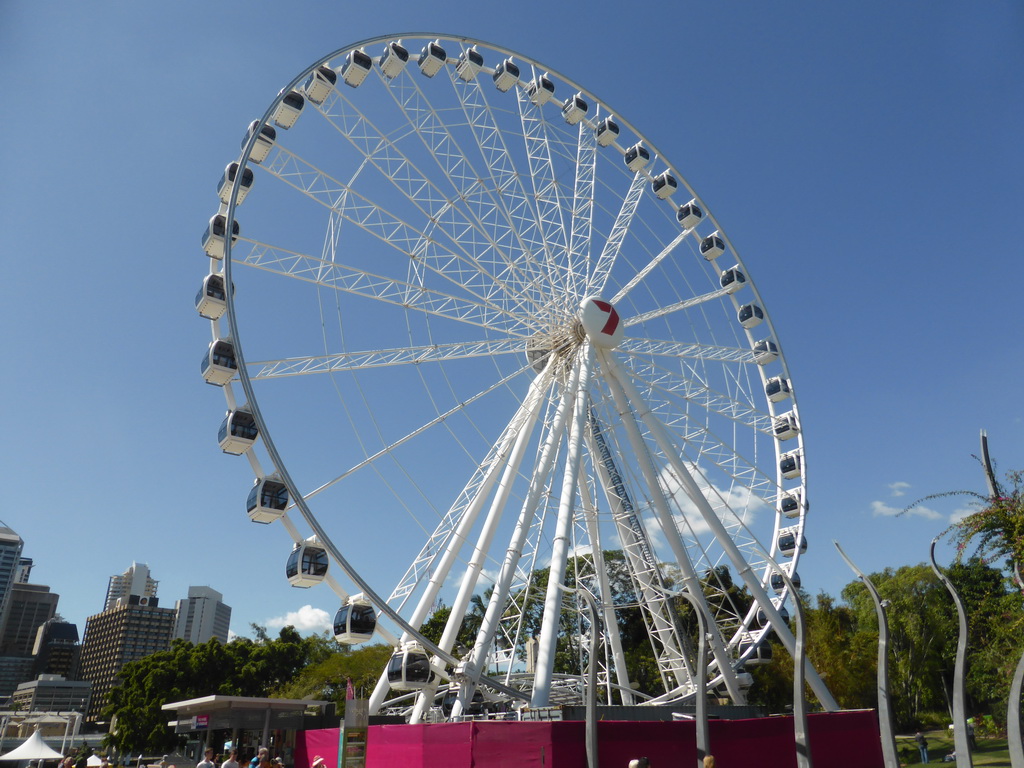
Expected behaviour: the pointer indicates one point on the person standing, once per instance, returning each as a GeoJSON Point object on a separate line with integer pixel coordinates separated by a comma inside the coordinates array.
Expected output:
{"type": "Point", "coordinates": [922, 746]}
{"type": "Point", "coordinates": [207, 761]}
{"type": "Point", "coordinates": [232, 761]}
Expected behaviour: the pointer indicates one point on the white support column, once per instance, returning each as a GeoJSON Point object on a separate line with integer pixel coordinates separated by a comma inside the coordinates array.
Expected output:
{"type": "Point", "coordinates": [534, 400]}
{"type": "Point", "coordinates": [499, 596]}
{"type": "Point", "coordinates": [660, 434]}
{"type": "Point", "coordinates": [460, 535]}
{"type": "Point", "coordinates": [560, 545]}
{"type": "Point", "coordinates": [669, 528]}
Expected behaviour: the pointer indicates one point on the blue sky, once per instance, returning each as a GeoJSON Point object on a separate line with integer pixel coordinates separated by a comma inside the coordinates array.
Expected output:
{"type": "Point", "coordinates": [864, 159]}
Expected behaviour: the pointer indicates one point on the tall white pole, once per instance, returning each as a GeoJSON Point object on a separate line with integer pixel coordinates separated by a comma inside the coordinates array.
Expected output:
{"type": "Point", "coordinates": [548, 641]}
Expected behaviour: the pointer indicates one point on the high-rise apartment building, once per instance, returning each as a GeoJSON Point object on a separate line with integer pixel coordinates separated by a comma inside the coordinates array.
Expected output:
{"type": "Point", "coordinates": [135, 581]}
{"type": "Point", "coordinates": [134, 628]}
{"type": "Point", "coordinates": [202, 616]}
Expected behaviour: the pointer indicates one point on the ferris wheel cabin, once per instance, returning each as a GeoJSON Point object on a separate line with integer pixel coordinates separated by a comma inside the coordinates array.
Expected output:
{"type": "Point", "coordinates": [506, 75]}
{"type": "Point", "coordinates": [470, 63]}
{"type": "Point", "coordinates": [540, 90]}
{"type": "Point", "coordinates": [637, 157]}
{"type": "Point", "coordinates": [432, 58]}
{"type": "Point", "coordinates": [765, 351]}
{"type": "Point", "coordinates": [219, 365]}
{"type": "Point", "coordinates": [777, 389]}
{"type": "Point", "coordinates": [792, 504]}
{"type": "Point", "coordinates": [264, 142]}
{"type": "Point", "coordinates": [787, 542]}
{"type": "Point", "coordinates": [689, 215]}
{"type": "Point", "coordinates": [267, 500]}
{"type": "Point", "coordinates": [574, 109]}
{"type": "Point", "coordinates": [289, 109]}
{"type": "Point", "coordinates": [211, 300]}
{"type": "Point", "coordinates": [754, 654]}
{"type": "Point", "coordinates": [356, 67]}
{"type": "Point", "coordinates": [238, 432]}
{"type": "Point", "coordinates": [779, 584]}
{"type": "Point", "coordinates": [227, 181]}
{"type": "Point", "coordinates": [733, 279]}
{"type": "Point", "coordinates": [750, 315]}
{"type": "Point", "coordinates": [307, 565]}
{"type": "Point", "coordinates": [319, 84]}
{"type": "Point", "coordinates": [712, 246]}
{"type": "Point", "coordinates": [790, 464]}
{"type": "Point", "coordinates": [763, 621]}
{"type": "Point", "coordinates": [409, 668]}
{"type": "Point", "coordinates": [213, 238]}
{"type": "Point", "coordinates": [607, 132]}
{"type": "Point", "coordinates": [786, 426]}
{"type": "Point", "coordinates": [664, 185]}
{"type": "Point", "coordinates": [393, 59]}
{"type": "Point", "coordinates": [355, 622]}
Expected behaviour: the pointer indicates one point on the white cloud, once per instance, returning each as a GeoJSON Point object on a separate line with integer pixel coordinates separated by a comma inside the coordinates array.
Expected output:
{"type": "Point", "coordinates": [307, 619]}
{"type": "Point", "coordinates": [881, 509]}
{"type": "Point", "coordinates": [899, 488]}
{"type": "Point", "coordinates": [959, 514]}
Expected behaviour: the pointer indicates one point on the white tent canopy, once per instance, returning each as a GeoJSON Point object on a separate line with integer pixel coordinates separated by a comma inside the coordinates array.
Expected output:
{"type": "Point", "coordinates": [34, 748]}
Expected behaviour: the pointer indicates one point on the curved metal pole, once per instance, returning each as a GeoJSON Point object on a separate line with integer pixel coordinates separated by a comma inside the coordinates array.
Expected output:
{"type": "Point", "coordinates": [803, 750]}
{"type": "Point", "coordinates": [962, 746]}
{"type": "Point", "coordinates": [595, 630]}
{"type": "Point", "coordinates": [1013, 708]}
{"type": "Point", "coordinates": [700, 697]}
{"type": "Point", "coordinates": [885, 727]}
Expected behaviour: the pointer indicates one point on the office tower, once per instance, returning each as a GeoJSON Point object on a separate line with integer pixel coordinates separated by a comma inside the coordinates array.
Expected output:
{"type": "Point", "coordinates": [202, 616]}
{"type": "Point", "coordinates": [23, 571]}
{"type": "Point", "coordinates": [135, 581]}
{"type": "Point", "coordinates": [29, 606]}
{"type": "Point", "coordinates": [52, 693]}
{"type": "Point", "coordinates": [10, 557]}
{"type": "Point", "coordinates": [56, 650]}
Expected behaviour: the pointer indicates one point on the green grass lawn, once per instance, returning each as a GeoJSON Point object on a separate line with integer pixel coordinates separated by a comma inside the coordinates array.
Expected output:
{"type": "Point", "coordinates": [940, 743]}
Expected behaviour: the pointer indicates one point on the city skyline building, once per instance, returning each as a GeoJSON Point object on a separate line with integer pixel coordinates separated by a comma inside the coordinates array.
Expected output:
{"type": "Point", "coordinates": [202, 616]}
{"type": "Point", "coordinates": [134, 581]}
{"type": "Point", "coordinates": [52, 693]}
{"type": "Point", "coordinates": [10, 557]}
{"type": "Point", "coordinates": [133, 628]}
{"type": "Point", "coordinates": [29, 606]}
{"type": "Point", "coordinates": [56, 650]}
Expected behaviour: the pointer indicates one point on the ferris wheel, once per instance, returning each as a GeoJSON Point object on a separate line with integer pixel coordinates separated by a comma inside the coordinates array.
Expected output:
{"type": "Point", "coordinates": [477, 333]}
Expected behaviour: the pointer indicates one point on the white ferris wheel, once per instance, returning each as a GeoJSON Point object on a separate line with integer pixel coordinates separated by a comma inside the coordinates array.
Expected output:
{"type": "Point", "coordinates": [472, 325]}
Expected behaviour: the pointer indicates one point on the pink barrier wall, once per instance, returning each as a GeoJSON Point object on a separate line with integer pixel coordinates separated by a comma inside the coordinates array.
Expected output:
{"type": "Point", "coordinates": [837, 740]}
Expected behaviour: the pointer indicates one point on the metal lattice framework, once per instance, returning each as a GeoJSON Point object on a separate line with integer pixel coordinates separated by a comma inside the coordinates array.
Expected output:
{"type": "Point", "coordinates": [478, 327]}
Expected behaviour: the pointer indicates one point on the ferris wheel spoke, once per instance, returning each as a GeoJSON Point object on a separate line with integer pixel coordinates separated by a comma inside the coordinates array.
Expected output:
{"type": "Point", "coordinates": [684, 304]}
{"type": "Point", "coordinates": [484, 203]}
{"type": "Point", "coordinates": [545, 192]}
{"type": "Point", "coordinates": [666, 251]}
{"type": "Point", "coordinates": [454, 215]}
{"type": "Point", "coordinates": [454, 264]}
{"type": "Point", "coordinates": [689, 392]}
{"type": "Point", "coordinates": [514, 213]}
{"type": "Point", "coordinates": [582, 214]}
{"type": "Point", "coordinates": [358, 282]}
{"type": "Point", "coordinates": [388, 450]}
{"type": "Point", "coordinates": [617, 236]}
{"type": "Point", "coordinates": [380, 358]}
{"type": "Point", "coordinates": [675, 350]}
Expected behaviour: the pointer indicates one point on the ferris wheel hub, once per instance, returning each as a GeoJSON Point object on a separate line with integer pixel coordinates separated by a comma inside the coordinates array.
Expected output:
{"type": "Point", "coordinates": [601, 322]}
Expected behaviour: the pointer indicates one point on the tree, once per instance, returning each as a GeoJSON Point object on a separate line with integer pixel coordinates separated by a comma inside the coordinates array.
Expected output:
{"type": "Point", "coordinates": [239, 668]}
